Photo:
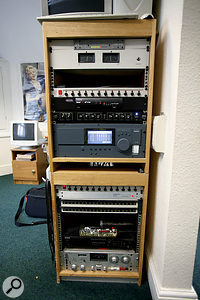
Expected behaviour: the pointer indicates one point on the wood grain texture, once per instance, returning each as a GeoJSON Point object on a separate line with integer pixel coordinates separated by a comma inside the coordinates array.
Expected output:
{"type": "Point", "coordinates": [29, 172]}
{"type": "Point", "coordinates": [126, 28]}
{"type": "Point", "coordinates": [87, 177]}
{"type": "Point", "coordinates": [115, 274]}
{"type": "Point", "coordinates": [100, 159]}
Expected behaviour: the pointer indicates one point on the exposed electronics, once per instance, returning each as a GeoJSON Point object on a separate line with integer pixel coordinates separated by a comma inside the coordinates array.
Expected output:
{"type": "Point", "coordinates": [99, 260]}
{"type": "Point", "coordinates": [99, 140]}
{"type": "Point", "coordinates": [96, 8]}
{"type": "Point", "coordinates": [25, 133]}
{"type": "Point", "coordinates": [95, 231]}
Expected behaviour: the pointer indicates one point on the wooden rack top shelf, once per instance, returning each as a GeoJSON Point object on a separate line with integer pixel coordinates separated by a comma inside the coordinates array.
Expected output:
{"type": "Point", "coordinates": [99, 177]}
{"type": "Point", "coordinates": [90, 28]}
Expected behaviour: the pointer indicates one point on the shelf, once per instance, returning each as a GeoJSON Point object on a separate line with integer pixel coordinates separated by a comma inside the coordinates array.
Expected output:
{"type": "Point", "coordinates": [127, 274]}
{"type": "Point", "coordinates": [99, 159]}
{"type": "Point", "coordinates": [99, 177]}
{"type": "Point", "coordinates": [90, 28]}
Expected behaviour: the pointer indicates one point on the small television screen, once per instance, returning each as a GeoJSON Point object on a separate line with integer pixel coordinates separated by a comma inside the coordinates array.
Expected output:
{"type": "Point", "coordinates": [65, 7]}
{"type": "Point", "coordinates": [23, 131]}
{"type": "Point", "coordinates": [74, 6]}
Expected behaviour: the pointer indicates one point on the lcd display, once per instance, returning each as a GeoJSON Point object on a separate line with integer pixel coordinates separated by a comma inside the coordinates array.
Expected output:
{"type": "Point", "coordinates": [98, 257]}
{"type": "Point", "coordinates": [22, 131]}
{"type": "Point", "coordinates": [100, 137]}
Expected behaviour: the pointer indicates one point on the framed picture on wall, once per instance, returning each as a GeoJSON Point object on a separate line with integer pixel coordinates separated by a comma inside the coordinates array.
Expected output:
{"type": "Point", "coordinates": [33, 84]}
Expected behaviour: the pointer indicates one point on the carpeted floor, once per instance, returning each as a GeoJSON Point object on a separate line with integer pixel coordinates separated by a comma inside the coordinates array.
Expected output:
{"type": "Point", "coordinates": [24, 252]}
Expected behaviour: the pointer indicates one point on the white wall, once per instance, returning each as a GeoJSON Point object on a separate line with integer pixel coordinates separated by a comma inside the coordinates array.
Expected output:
{"type": "Point", "coordinates": [174, 201]}
{"type": "Point", "coordinates": [21, 42]}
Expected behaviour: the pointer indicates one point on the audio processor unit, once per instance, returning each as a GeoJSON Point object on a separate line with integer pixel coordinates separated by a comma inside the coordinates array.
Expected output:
{"type": "Point", "coordinates": [99, 140]}
{"type": "Point", "coordinates": [99, 260]}
{"type": "Point", "coordinates": [94, 110]}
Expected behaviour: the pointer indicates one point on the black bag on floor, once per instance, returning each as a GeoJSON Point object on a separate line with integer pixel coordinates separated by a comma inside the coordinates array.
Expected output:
{"type": "Point", "coordinates": [35, 206]}
{"type": "Point", "coordinates": [38, 205]}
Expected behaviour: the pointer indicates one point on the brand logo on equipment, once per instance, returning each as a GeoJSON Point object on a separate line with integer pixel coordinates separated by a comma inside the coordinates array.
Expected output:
{"type": "Point", "coordinates": [13, 287]}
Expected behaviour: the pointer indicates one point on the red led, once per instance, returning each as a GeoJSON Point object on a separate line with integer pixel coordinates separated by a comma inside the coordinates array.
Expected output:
{"type": "Point", "coordinates": [60, 92]}
{"type": "Point", "coordinates": [102, 248]}
{"type": "Point", "coordinates": [64, 187]}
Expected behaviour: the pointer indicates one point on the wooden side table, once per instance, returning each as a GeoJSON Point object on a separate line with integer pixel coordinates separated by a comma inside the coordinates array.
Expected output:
{"type": "Point", "coordinates": [29, 171]}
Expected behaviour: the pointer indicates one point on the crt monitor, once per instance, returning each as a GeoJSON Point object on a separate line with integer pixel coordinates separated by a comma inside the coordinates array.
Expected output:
{"type": "Point", "coordinates": [55, 7]}
{"type": "Point", "coordinates": [24, 133]}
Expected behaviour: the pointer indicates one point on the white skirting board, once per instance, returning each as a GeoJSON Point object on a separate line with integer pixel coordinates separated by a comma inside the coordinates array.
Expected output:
{"type": "Point", "coordinates": [160, 293]}
{"type": "Point", "coordinates": [5, 169]}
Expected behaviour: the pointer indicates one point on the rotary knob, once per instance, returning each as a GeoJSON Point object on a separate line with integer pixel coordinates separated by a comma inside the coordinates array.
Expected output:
{"type": "Point", "coordinates": [123, 144]}
{"type": "Point", "coordinates": [92, 268]}
{"type": "Point", "coordinates": [82, 267]}
{"type": "Point", "coordinates": [114, 259]}
{"type": "Point", "coordinates": [125, 259]}
{"type": "Point", "coordinates": [74, 267]}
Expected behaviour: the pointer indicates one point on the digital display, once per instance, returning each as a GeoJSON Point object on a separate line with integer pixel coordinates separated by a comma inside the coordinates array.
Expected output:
{"type": "Point", "coordinates": [22, 131]}
{"type": "Point", "coordinates": [99, 137]}
{"type": "Point", "coordinates": [98, 257]}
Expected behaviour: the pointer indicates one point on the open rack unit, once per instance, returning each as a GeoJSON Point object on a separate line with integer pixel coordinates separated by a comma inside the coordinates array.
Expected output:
{"type": "Point", "coordinates": [99, 91]}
